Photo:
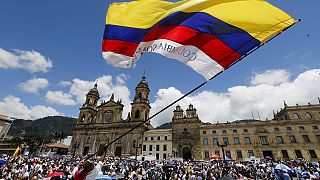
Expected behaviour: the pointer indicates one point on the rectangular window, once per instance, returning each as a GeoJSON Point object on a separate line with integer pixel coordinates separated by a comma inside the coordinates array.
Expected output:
{"type": "Point", "coordinates": [314, 127]}
{"type": "Point", "coordinates": [150, 147]}
{"type": "Point", "coordinates": [166, 138]}
{"type": "Point", "coordinates": [279, 139]}
{"type": "Point", "coordinates": [205, 141]}
{"type": "Point", "coordinates": [146, 138]}
{"type": "Point", "coordinates": [164, 156]}
{"type": "Point", "coordinates": [276, 129]}
{"type": "Point", "coordinates": [151, 138]}
{"type": "Point", "coordinates": [236, 140]}
{"type": "Point", "coordinates": [248, 141]}
{"type": "Point", "coordinates": [250, 153]}
{"type": "Point", "coordinates": [306, 139]}
{"type": "Point", "coordinates": [318, 138]}
{"type": "Point", "coordinates": [239, 153]}
{"type": "Point", "coordinates": [144, 148]}
{"type": "Point", "coordinates": [312, 154]}
{"type": "Point", "coordinates": [293, 139]}
{"type": "Point", "coordinates": [298, 153]}
{"type": "Point", "coordinates": [234, 131]}
{"type": "Point", "coordinates": [206, 154]}
{"type": "Point", "coordinates": [204, 132]}
{"type": "Point", "coordinates": [264, 140]}
{"type": "Point", "coordinates": [226, 140]}
{"type": "Point", "coordinates": [158, 138]}
{"type": "Point", "coordinates": [289, 128]}
{"type": "Point", "coordinates": [157, 156]}
{"type": "Point", "coordinates": [164, 147]}
{"type": "Point", "coordinates": [215, 141]}
{"type": "Point", "coordinates": [245, 130]}
{"type": "Point", "coordinates": [224, 131]}
{"type": "Point", "coordinates": [285, 154]}
{"type": "Point", "coordinates": [157, 147]}
{"type": "Point", "coordinates": [301, 128]}
{"type": "Point", "coordinates": [217, 152]}
{"type": "Point", "coordinates": [228, 154]}
{"type": "Point", "coordinates": [214, 131]}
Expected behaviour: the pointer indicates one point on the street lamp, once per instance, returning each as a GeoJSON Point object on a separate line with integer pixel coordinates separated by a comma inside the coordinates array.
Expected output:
{"type": "Point", "coordinates": [137, 147]}
{"type": "Point", "coordinates": [222, 147]}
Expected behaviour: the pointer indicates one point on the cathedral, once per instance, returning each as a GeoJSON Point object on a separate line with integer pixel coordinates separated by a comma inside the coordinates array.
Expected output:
{"type": "Point", "coordinates": [97, 125]}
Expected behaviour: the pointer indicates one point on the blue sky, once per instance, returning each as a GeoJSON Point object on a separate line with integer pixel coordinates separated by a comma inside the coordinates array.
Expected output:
{"type": "Point", "coordinates": [62, 39]}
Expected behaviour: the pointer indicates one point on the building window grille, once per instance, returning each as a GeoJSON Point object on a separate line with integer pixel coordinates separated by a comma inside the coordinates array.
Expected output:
{"type": "Point", "coordinates": [298, 153]}
{"type": "Point", "coordinates": [234, 131]}
{"type": "Point", "coordinates": [215, 141]}
{"type": "Point", "coordinates": [205, 141]}
{"type": "Point", "coordinates": [248, 141]}
{"type": "Point", "coordinates": [285, 154]}
{"type": "Point", "coordinates": [224, 131]}
{"type": "Point", "coordinates": [306, 139]}
{"type": "Point", "coordinates": [206, 154]}
{"type": "Point", "coordinates": [296, 116]}
{"type": "Point", "coordinates": [239, 153]}
{"type": "Point", "coordinates": [293, 139]}
{"type": "Point", "coordinates": [280, 140]}
{"type": "Point", "coordinates": [250, 153]}
{"type": "Point", "coordinates": [313, 154]}
{"type": "Point", "coordinates": [226, 140]}
{"type": "Point", "coordinates": [308, 115]}
{"type": "Point", "coordinates": [264, 140]}
{"type": "Point", "coordinates": [236, 140]}
{"type": "Point", "coordinates": [214, 131]}
{"type": "Point", "coordinates": [204, 132]}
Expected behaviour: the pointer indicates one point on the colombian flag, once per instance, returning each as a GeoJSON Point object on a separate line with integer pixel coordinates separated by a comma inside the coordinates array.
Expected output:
{"type": "Point", "coordinates": [207, 35]}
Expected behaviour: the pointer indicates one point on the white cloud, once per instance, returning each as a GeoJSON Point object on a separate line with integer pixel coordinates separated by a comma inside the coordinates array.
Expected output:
{"type": "Point", "coordinates": [262, 95]}
{"type": "Point", "coordinates": [106, 86]}
{"type": "Point", "coordinates": [271, 77]}
{"type": "Point", "coordinates": [13, 107]}
{"type": "Point", "coordinates": [34, 85]}
{"type": "Point", "coordinates": [31, 61]}
{"type": "Point", "coordinates": [65, 83]}
{"type": "Point", "coordinates": [60, 97]}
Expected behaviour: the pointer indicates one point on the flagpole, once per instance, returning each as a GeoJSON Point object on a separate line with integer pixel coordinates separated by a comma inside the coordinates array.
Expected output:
{"type": "Point", "coordinates": [187, 94]}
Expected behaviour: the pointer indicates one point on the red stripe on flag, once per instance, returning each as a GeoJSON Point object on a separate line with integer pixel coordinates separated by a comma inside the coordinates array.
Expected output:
{"type": "Point", "coordinates": [209, 44]}
{"type": "Point", "coordinates": [120, 47]}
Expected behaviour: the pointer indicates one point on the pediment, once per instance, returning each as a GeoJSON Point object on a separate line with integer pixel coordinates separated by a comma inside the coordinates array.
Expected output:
{"type": "Point", "coordinates": [110, 104]}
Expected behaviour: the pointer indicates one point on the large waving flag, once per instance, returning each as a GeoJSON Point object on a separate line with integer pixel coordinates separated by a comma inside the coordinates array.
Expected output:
{"type": "Point", "coordinates": [207, 35]}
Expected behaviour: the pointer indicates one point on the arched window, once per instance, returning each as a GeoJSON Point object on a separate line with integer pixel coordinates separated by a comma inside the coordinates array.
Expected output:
{"type": "Point", "coordinates": [308, 115]}
{"type": "Point", "coordinates": [140, 95]}
{"type": "Point", "coordinates": [296, 116]}
{"type": "Point", "coordinates": [137, 114]}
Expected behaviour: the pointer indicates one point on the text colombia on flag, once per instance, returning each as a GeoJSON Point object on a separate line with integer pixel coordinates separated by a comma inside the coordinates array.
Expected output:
{"type": "Point", "coordinates": [207, 35]}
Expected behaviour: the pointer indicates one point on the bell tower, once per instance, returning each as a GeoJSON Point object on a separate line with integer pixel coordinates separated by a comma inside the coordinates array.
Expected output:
{"type": "Point", "coordinates": [140, 107]}
{"type": "Point", "coordinates": [88, 111]}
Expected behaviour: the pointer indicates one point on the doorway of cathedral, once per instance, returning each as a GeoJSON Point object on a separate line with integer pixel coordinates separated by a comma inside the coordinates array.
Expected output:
{"type": "Point", "coordinates": [85, 150]}
{"type": "Point", "coordinates": [186, 153]}
{"type": "Point", "coordinates": [118, 151]}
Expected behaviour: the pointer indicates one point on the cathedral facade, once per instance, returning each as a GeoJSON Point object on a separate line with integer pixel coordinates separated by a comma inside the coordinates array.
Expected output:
{"type": "Point", "coordinates": [97, 125]}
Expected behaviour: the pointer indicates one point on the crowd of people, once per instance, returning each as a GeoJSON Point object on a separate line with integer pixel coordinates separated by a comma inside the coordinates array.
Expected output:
{"type": "Point", "coordinates": [115, 168]}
